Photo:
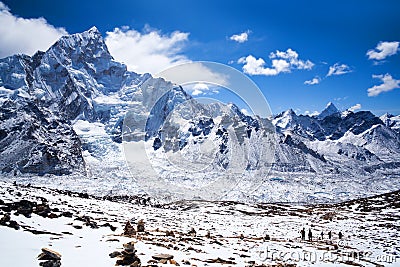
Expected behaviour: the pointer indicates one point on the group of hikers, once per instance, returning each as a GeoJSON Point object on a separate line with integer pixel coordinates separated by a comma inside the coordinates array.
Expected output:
{"type": "Point", "coordinates": [310, 235]}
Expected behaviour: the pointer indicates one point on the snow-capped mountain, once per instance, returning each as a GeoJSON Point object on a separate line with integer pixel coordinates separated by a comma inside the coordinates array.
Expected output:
{"type": "Point", "coordinates": [329, 110]}
{"type": "Point", "coordinates": [391, 121]}
{"type": "Point", "coordinates": [70, 109]}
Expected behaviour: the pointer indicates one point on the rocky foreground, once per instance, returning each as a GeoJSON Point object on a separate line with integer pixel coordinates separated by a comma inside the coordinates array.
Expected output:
{"type": "Point", "coordinates": [84, 230]}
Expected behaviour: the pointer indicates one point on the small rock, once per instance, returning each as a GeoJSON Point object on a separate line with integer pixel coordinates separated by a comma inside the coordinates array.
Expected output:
{"type": "Point", "coordinates": [67, 214]}
{"type": "Point", "coordinates": [172, 261]}
{"type": "Point", "coordinates": [6, 218]}
{"type": "Point", "coordinates": [114, 254]}
{"type": "Point", "coordinates": [50, 263]}
{"type": "Point", "coordinates": [169, 233]}
{"type": "Point", "coordinates": [42, 210]}
{"type": "Point", "coordinates": [13, 224]}
{"type": "Point", "coordinates": [52, 216]}
{"type": "Point", "coordinates": [129, 245]}
{"type": "Point", "coordinates": [160, 257]}
{"type": "Point", "coordinates": [208, 235]}
{"type": "Point", "coordinates": [112, 227]}
{"type": "Point", "coordinates": [192, 232]}
{"type": "Point", "coordinates": [221, 261]}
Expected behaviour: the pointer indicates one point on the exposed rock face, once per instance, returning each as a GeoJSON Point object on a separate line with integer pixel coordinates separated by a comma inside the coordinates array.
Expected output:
{"type": "Point", "coordinates": [34, 141]}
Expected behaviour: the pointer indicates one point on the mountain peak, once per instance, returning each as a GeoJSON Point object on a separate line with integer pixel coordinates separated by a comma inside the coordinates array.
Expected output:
{"type": "Point", "coordinates": [94, 30]}
{"type": "Point", "coordinates": [289, 112]}
{"type": "Point", "coordinates": [329, 110]}
{"type": "Point", "coordinates": [330, 105]}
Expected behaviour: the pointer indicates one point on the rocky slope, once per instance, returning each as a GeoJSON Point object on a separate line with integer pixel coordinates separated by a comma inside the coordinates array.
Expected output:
{"type": "Point", "coordinates": [88, 230]}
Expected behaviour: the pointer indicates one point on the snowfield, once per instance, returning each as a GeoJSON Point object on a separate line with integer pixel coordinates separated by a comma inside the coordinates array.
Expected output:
{"type": "Point", "coordinates": [85, 229]}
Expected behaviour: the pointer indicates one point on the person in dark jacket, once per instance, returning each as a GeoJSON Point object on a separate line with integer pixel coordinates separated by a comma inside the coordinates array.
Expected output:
{"type": "Point", "coordinates": [309, 235]}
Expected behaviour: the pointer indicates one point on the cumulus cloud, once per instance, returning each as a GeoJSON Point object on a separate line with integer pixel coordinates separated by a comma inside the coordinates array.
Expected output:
{"type": "Point", "coordinates": [281, 61]}
{"type": "Point", "coordinates": [20, 35]}
{"type": "Point", "coordinates": [311, 113]}
{"type": "Point", "coordinates": [383, 50]}
{"type": "Point", "coordinates": [195, 71]}
{"type": "Point", "coordinates": [201, 88]}
{"type": "Point", "coordinates": [355, 107]}
{"type": "Point", "coordinates": [150, 51]}
{"type": "Point", "coordinates": [313, 81]}
{"type": "Point", "coordinates": [388, 84]}
{"type": "Point", "coordinates": [338, 69]}
{"type": "Point", "coordinates": [292, 57]}
{"type": "Point", "coordinates": [240, 38]}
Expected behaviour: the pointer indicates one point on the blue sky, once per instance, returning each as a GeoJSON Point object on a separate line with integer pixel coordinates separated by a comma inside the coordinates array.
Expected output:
{"type": "Point", "coordinates": [342, 48]}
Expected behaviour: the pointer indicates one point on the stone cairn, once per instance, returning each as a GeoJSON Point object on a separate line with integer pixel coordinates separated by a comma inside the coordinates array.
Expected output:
{"type": "Point", "coordinates": [140, 226]}
{"type": "Point", "coordinates": [49, 258]}
{"type": "Point", "coordinates": [129, 230]}
{"type": "Point", "coordinates": [127, 257]}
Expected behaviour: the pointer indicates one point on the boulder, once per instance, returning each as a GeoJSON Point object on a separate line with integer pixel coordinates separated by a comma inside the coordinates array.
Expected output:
{"type": "Point", "coordinates": [160, 257]}
{"type": "Point", "coordinates": [49, 258]}
{"type": "Point", "coordinates": [6, 218]}
{"type": "Point", "coordinates": [114, 254]}
{"type": "Point", "coordinates": [48, 254]}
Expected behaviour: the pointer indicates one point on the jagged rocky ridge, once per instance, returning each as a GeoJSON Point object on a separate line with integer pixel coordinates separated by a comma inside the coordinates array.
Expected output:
{"type": "Point", "coordinates": [62, 112]}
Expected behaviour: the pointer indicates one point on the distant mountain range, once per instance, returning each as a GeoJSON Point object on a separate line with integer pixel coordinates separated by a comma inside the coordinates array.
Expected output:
{"type": "Point", "coordinates": [62, 112]}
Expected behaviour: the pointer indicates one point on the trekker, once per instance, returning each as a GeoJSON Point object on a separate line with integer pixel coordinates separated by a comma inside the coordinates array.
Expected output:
{"type": "Point", "coordinates": [303, 234]}
{"type": "Point", "coordinates": [322, 235]}
{"type": "Point", "coordinates": [309, 235]}
{"type": "Point", "coordinates": [340, 235]}
{"type": "Point", "coordinates": [330, 235]}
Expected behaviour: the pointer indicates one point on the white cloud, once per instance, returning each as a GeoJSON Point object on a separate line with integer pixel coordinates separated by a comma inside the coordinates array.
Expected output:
{"type": "Point", "coordinates": [292, 57]}
{"type": "Point", "coordinates": [19, 35]}
{"type": "Point", "coordinates": [311, 113]}
{"type": "Point", "coordinates": [383, 50]}
{"type": "Point", "coordinates": [338, 69]}
{"type": "Point", "coordinates": [195, 71]}
{"type": "Point", "coordinates": [282, 62]}
{"type": "Point", "coordinates": [150, 51]}
{"type": "Point", "coordinates": [199, 88]}
{"type": "Point", "coordinates": [388, 84]}
{"type": "Point", "coordinates": [313, 81]}
{"type": "Point", "coordinates": [355, 107]}
{"type": "Point", "coordinates": [240, 38]}
{"type": "Point", "coordinates": [197, 92]}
